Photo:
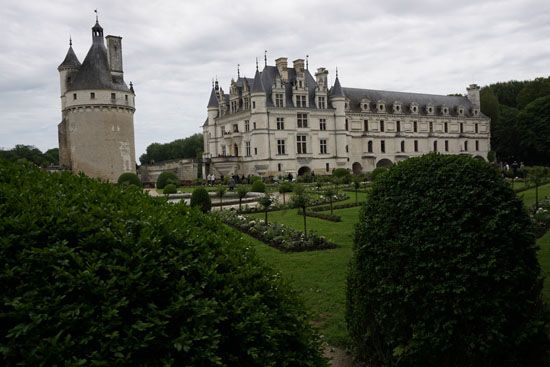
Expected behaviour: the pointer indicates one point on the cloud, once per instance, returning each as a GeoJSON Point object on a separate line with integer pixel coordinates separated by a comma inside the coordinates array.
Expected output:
{"type": "Point", "coordinates": [172, 50]}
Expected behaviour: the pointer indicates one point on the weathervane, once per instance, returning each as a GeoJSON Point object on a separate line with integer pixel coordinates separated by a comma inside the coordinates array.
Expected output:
{"type": "Point", "coordinates": [265, 57]}
{"type": "Point", "coordinates": [96, 19]}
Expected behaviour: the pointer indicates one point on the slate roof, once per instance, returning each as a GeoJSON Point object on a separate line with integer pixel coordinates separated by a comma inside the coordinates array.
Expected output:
{"type": "Point", "coordinates": [336, 90]}
{"type": "Point", "coordinates": [257, 84]}
{"type": "Point", "coordinates": [213, 101]}
{"type": "Point", "coordinates": [71, 61]}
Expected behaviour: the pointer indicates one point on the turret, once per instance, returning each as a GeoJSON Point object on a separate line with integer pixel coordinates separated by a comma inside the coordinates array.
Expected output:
{"type": "Point", "coordinates": [257, 94]}
{"type": "Point", "coordinates": [97, 33]}
{"type": "Point", "coordinates": [68, 68]}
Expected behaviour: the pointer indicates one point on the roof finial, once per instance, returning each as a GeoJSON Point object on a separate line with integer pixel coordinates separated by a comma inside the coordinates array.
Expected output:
{"type": "Point", "coordinates": [337, 71]}
{"type": "Point", "coordinates": [212, 82]}
{"type": "Point", "coordinates": [70, 40]}
{"type": "Point", "coordinates": [96, 18]}
{"type": "Point", "coordinates": [256, 64]}
{"type": "Point", "coordinates": [238, 71]}
{"type": "Point", "coordinates": [307, 62]}
{"type": "Point", "coordinates": [265, 57]}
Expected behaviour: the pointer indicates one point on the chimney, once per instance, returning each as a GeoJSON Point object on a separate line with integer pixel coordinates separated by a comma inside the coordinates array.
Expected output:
{"type": "Point", "coordinates": [282, 67]}
{"type": "Point", "coordinates": [321, 78]}
{"type": "Point", "coordinates": [114, 50]}
{"type": "Point", "coordinates": [299, 65]}
{"type": "Point", "coordinates": [473, 95]}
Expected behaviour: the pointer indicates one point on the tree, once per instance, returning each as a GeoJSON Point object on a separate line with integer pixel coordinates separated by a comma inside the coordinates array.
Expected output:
{"type": "Point", "coordinates": [534, 89]}
{"type": "Point", "coordinates": [220, 192]}
{"type": "Point", "coordinates": [329, 193]}
{"type": "Point", "coordinates": [444, 270]}
{"type": "Point", "coordinates": [190, 147]}
{"type": "Point", "coordinates": [284, 188]}
{"type": "Point", "coordinates": [129, 178]}
{"type": "Point", "coordinates": [265, 201]}
{"type": "Point", "coordinates": [534, 126]}
{"type": "Point", "coordinates": [301, 200]}
{"type": "Point", "coordinates": [258, 186]}
{"type": "Point", "coordinates": [201, 199]}
{"type": "Point", "coordinates": [356, 185]}
{"type": "Point", "coordinates": [537, 176]}
{"type": "Point", "coordinates": [166, 178]}
{"type": "Point", "coordinates": [242, 191]}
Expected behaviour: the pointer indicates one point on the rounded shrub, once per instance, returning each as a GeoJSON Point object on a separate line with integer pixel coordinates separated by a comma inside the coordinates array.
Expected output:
{"type": "Point", "coordinates": [165, 178]}
{"type": "Point", "coordinates": [258, 186]}
{"type": "Point", "coordinates": [129, 178]}
{"type": "Point", "coordinates": [444, 270]}
{"type": "Point", "coordinates": [93, 275]}
{"type": "Point", "coordinates": [170, 189]}
{"type": "Point", "coordinates": [201, 199]}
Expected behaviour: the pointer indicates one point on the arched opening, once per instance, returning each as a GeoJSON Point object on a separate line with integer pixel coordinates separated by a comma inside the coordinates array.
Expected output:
{"type": "Point", "coordinates": [356, 168]}
{"type": "Point", "coordinates": [384, 163]}
{"type": "Point", "coordinates": [304, 171]}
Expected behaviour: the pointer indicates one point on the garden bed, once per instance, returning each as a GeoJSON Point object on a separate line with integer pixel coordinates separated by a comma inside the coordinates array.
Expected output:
{"type": "Point", "coordinates": [276, 235]}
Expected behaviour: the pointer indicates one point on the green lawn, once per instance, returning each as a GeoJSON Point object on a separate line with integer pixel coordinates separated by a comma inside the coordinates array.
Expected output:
{"type": "Point", "coordinates": [528, 196]}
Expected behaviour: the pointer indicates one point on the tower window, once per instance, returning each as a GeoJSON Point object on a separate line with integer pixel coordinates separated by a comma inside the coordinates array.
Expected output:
{"type": "Point", "coordinates": [253, 104]}
{"type": "Point", "coordinates": [254, 125]}
{"type": "Point", "coordinates": [382, 146]}
{"type": "Point", "coordinates": [382, 126]}
{"type": "Point", "coordinates": [466, 146]}
{"type": "Point", "coordinates": [415, 126]}
{"type": "Point", "coordinates": [74, 96]}
{"type": "Point", "coordinates": [431, 127]}
{"type": "Point", "coordinates": [279, 167]}
{"type": "Point", "coordinates": [461, 127]}
{"type": "Point", "coordinates": [398, 126]}
{"type": "Point", "coordinates": [366, 125]}
{"type": "Point", "coordinates": [327, 167]}
{"type": "Point", "coordinates": [322, 124]}
{"type": "Point", "coordinates": [369, 146]}
{"type": "Point", "coordinates": [346, 127]}
{"type": "Point", "coordinates": [280, 123]}
{"type": "Point", "coordinates": [403, 146]}
{"type": "Point", "coordinates": [477, 128]}
{"type": "Point", "coordinates": [435, 146]}
{"type": "Point", "coordinates": [92, 95]}
{"type": "Point", "coordinates": [255, 151]}
{"type": "Point", "coordinates": [446, 127]}
{"type": "Point", "coordinates": [126, 97]}
{"type": "Point", "coordinates": [416, 145]}
{"type": "Point", "coordinates": [477, 145]}
{"type": "Point", "coordinates": [446, 145]}
{"type": "Point", "coordinates": [113, 95]}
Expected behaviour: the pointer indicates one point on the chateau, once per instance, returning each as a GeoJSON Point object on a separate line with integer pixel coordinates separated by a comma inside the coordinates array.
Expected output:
{"type": "Point", "coordinates": [284, 120]}
{"type": "Point", "coordinates": [96, 133]}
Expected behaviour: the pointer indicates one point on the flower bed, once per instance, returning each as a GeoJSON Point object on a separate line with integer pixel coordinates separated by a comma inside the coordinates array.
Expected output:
{"type": "Point", "coordinates": [314, 202]}
{"type": "Point", "coordinates": [274, 234]}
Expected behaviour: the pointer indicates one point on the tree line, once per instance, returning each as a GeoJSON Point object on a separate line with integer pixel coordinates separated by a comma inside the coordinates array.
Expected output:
{"type": "Point", "coordinates": [31, 154]}
{"type": "Point", "coordinates": [520, 120]}
{"type": "Point", "coordinates": [190, 147]}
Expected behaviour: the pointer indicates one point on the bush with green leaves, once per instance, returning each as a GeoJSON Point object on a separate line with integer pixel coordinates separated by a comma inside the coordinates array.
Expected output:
{"type": "Point", "coordinates": [377, 172]}
{"type": "Point", "coordinates": [95, 275]}
{"type": "Point", "coordinates": [170, 189]}
{"type": "Point", "coordinates": [129, 178]}
{"type": "Point", "coordinates": [444, 270]}
{"type": "Point", "coordinates": [201, 199]}
{"type": "Point", "coordinates": [341, 176]}
{"type": "Point", "coordinates": [258, 186]}
{"type": "Point", "coordinates": [165, 178]}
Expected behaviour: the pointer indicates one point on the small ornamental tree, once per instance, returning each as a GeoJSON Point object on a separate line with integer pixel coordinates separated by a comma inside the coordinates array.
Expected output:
{"type": "Point", "coordinates": [284, 188]}
{"type": "Point", "coordinates": [265, 201]}
{"type": "Point", "coordinates": [220, 192]}
{"type": "Point", "coordinates": [201, 199]}
{"type": "Point", "coordinates": [170, 189]}
{"type": "Point", "coordinates": [330, 192]}
{"type": "Point", "coordinates": [165, 178]}
{"type": "Point", "coordinates": [444, 270]}
{"type": "Point", "coordinates": [97, 276]}
{"type": "Point", "coordinates": [356, 185]}
{"type": "Point", "coordinates": [129, 178]}
{"type": "Point", "coordinates": [242, 191]}
{"type": "Point", "coordinates": [258, 186]}
{"type": "Point", "coordinates": [300, 200]}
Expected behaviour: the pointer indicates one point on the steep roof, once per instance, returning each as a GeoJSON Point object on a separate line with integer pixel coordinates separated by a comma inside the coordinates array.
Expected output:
{"type": "Point", "coordinates": [257, 84]}
{"type": "Point", "coordinates": [70, 61]}
{"type": "Point", "coordinates": [213, 101]}
{"type": "Point", "coordinates": [336, 90]}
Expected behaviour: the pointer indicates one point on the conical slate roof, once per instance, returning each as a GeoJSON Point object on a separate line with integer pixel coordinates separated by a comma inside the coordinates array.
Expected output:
{"type": "Point", "coordinates": [336, 90]}
{"type": "Point", "coordinates": [258, 86]}
{"type": "Point", "coordinates": [213, 101]}
{"type": "Point", "coordinates": [71, 61]}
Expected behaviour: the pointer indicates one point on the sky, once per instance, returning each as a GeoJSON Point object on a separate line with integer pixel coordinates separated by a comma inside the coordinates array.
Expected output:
{"type": "Point", "coordinates": [173, 49]}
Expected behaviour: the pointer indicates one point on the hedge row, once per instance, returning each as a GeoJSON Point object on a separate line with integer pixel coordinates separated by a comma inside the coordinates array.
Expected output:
{"type": "Point", "coordinates": [325, 208]}
{"type": "Point", "coordinates": [324, 216]}
{"type": "Point", "coordinates": [95, 274]}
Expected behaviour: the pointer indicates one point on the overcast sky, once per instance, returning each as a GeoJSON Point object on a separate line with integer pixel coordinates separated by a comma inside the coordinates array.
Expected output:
{"type": "Point", "coordinates": [173, 49]}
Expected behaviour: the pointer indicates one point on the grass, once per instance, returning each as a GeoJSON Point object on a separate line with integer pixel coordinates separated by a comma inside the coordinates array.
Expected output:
{"type": "Point", "coordinates": [528, 196]}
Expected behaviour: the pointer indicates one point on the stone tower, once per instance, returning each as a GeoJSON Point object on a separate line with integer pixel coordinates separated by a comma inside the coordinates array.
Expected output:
{"type": "Point", "coordinates": [96, 133]}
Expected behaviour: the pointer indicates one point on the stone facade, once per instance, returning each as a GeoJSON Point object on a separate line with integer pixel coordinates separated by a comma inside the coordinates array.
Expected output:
{"type": "Point", "coordinates": [287, 121]}
{"type": "Point", "coordinates": [96, 134]}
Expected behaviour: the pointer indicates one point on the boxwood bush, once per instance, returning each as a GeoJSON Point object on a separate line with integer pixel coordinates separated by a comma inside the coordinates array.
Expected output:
{"type": "Point", "coordinates": [258, 186]}
{"type": "Point", "coordinates": [166, 178]}
{"type": "Point", "coordinates": [95, 275]}
{"type": "Point", "coordinates": [170, 189]}
{"type": "Point", "coordinates": [201, 199]}
{"type": "Point", "coordinates": [129, 178]}
{"type": "Point", "coordinates": [444, 271]}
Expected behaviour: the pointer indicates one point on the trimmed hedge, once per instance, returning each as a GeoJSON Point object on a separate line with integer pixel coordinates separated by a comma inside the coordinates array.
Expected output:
{"type": "Point", "coordinates": [170, 189]}
{"type": "Point", "coordinates": [96, 275]}
{"type": "Point", "coordinates": [324, 216]}
{"type": "Point", "coordinates": [444, 270]}
{"type": "Point", "coordinates": [257, 186]}
{"type": "Point", "coordinates": [166, 178]}
{"type": "Point", "coordinates": [200, 198]}
{"type": "Point", "coordinates": [129, 178]}
{"type": "Point", "coordinates": [324, 208]}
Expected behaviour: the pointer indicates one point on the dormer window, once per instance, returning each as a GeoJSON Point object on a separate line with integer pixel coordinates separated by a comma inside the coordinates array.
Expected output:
{"type": "Point", "coordinates": [476, 112]}
{"type": "Point", "coordinates": [365, 105]}
{"type": "Point", "coordinates": [445, 110]}
{"type": "Point", "coordinates": [396, 107]}
{"type": "Point", "coordinates": [381, 106]}
{"type": "Point", "coordinates": [460, 110]}
{"type": "Point", "coordinates": [414, 108]}
{"type": "Point", "coordinates": [430, 109]}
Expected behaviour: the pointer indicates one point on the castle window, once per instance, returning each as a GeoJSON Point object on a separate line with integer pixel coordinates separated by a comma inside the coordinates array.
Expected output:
{"type": "Point", "coordinates": [224, 151]}
{"type": "Point", "coordinates": [126, 97]}
{"type": "Point", "coordinates": [301, 147]}
{"type": "Point", "coordinates": [346, 127]}
{"type": "Point", "coordinates": [477, 145]}
{"type": "Point", "coordinates": [414, 109]}
{"type": "Point", "coordinates": [446, 127]}
{"type": "Point", "coordinates": [435, 146]}
{"type": "Point", "coordinates": [402, 146]}
{"type": "Point", "coordinates": [255, 151]}
{"type": "Point", "coordinates": [477, 128]}
{"type": "Point", "coordinates": [327, 167]}
{"type": "Point", "coordinates": [476, 112]}
{"type": "Point", "coordinates": [278, 100]}
{"type": "Point", "coordinates": [301, 101]}
{"type": "Point", "coordinates": [461, 127]}
{"type": "Point", "coordinates": [302, 120]}
{"type": "Point", "coordinates": [254, 125]}
{"type": "Point", "coordinates": [430, 110]}
{"type": "Point", "coordinates": [235, 128]}
{"type": "Point", "coordinates": [92, 95]}
{"type": "Point", "coordinates": [398, 108]}
{"type": "Point", "coordinates": [281, 148]}
{"type": "Point", "coordinates": [279, 167]}
{"type": "Point", "coordinates": [382, 126]}
{"type": "Point", "coordinates": [322, 103]}
{"type": "Point", "coordinates": [416, 145]}
{"type": "Point", "coordinates": [398, 126]}
{"type": "Point", "coordinates": [431, 127]}
{"type": "Point", "coordinates": [366, 125]}
{"type": "Point", "coordinates": [322, 124]}
{"type": "Point", "coordinates": [280, 123]}
{"type": "Point", "coordinates": [323, 146]}
{"type": "Point", "coordinates": [347, 149]}
{"type": "Point", "coordinates": [247, 148]}
{"type": "Point", "coordinates": [74, 96]}
{"type": "Point", "coordinates": [253, 104]}
{"type": "Point", "coordinates": [113, 96]}
{"type": "Point", "coordinates": [466, 146]}
{"type": "Point", "coordinates": [369, 146]}
{"type": "Point", "coordinates": [461, 111]}
{"type": "Point", "coordinates": [415, 126]}
{"type": "Point", "coordinates": [446, 145]}
{"type": "Point", "coordinates": [346, 106]}
{"type": "Point", "coordinates": [246, 125]}
{"type": "Point", "coordinates": [382, 146]}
